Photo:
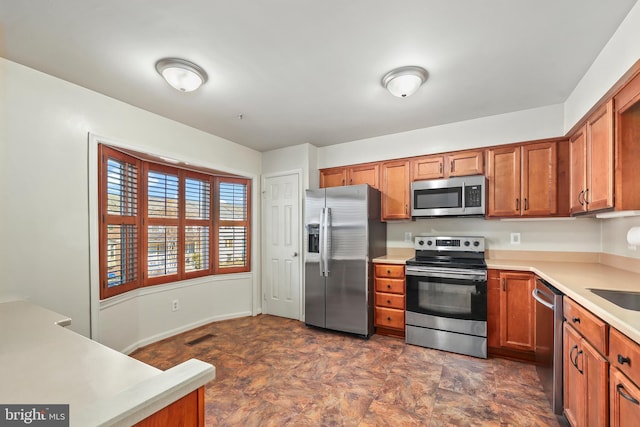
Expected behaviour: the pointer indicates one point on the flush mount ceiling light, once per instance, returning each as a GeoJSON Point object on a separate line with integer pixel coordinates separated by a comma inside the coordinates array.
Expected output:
{"type": "Point", "coordinates": [404, 81]}
{"type": "Point", "coordinates": [181, 74]}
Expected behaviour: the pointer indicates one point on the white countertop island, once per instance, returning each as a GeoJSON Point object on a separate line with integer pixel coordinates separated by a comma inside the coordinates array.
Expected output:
{"type": "Point", "coordinates": [42, 362]}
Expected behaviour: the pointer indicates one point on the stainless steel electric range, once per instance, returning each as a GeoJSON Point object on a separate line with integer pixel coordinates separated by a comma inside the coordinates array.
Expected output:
{"type": "Point", "coordinates": [447, 295]}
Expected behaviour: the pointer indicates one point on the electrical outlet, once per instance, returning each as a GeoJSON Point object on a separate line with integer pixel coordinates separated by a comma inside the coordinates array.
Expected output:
{"type": "Point", "coordinates": [407, 236]}
{"type": "Point", "coordinates": [515, 238]}
{"type": "Point", "coordinates": [175, 305]}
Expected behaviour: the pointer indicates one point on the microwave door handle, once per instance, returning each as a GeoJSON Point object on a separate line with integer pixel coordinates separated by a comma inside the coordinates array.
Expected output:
{"type": "Point", "coordinates": [464, 202]}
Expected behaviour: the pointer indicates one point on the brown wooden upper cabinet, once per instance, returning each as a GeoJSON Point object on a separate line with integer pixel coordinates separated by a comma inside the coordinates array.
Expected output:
{"type": "Point", "coordinates": [591, 163]}
{"type": "Point", "coordinates": [627, 141]}
{"type": "Point", "coordinates": [395, 186]}
{"type": "Point", "coordinates": [333, 177]}
{"type": "Point", "coordinates": [461, 163]}
{"type": "Point", "coordinates": [368, 173]}
{"type": "Point", "coordinates": [523, 180]}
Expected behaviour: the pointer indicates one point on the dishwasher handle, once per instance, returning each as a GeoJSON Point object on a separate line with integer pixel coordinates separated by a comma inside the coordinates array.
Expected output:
{"type": "Point", "coordinates": [536, 295]}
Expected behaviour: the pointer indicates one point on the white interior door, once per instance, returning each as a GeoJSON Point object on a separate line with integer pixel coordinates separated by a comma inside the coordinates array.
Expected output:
{"type": "Point", "coordinates": [282, 257]}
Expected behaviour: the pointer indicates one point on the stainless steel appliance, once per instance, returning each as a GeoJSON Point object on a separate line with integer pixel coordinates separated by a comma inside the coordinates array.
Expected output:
{"type": "Point", "coordinates": [459, 196]}
{"type": "Point", "coordinates": [549, 317]}
{"type": "Point", "coordinates": [343, 233]}
{"type": "Point", "coordinates": [447, 295]}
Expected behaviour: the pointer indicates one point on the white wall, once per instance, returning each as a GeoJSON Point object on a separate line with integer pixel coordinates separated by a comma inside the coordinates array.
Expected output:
{"type": "Point", "coordinates": [44, 183]}
{"type": "Point", "coordinates": [537, 123]}
{"type": "Point", "coordinates": [566, 235]}
{"type": "Point", "coordinates": [615, 59]}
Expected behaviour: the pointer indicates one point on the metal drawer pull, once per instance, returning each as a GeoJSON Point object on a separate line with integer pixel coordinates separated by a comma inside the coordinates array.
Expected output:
{"type": "Point", "coordinates": [623, 360]}
{"type": "Point", "coordinates": [574, 348]}
{"type": "Point", "coordinates": [575, 319]}
{"type": "Point", "coordinates": [578, 354]}
{"type": "Point", "coordinates": [620, 389]}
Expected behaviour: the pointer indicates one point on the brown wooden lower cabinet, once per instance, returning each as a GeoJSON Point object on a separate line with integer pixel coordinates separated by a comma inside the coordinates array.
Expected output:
{"type": "Point", "coordinates": [389, 299]}
{"type": "Point", "coordinates": [511, 314]}
{"type": "Point", "coordinates": [624, 397]}
{"type": "Point", "coordinates": [185, 412]}
{"type": "Point", "coordinates": [586, 382]}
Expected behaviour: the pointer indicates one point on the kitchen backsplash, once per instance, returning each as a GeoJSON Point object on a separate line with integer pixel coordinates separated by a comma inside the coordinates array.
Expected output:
{"type": "Point", "coordinates": [566, 235]}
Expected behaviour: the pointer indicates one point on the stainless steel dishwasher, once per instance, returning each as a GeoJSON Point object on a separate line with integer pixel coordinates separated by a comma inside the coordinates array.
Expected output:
{"type": "Point", "coordinates": [549, 317]}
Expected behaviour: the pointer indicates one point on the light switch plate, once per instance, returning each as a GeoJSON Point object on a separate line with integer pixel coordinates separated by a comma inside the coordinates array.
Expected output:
{"type": "Point", "coordinates": [515, 238]}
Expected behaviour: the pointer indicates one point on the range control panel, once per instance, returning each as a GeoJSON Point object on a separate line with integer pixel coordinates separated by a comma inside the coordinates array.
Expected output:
{"type": "Point", "coordinates": [438, 243]}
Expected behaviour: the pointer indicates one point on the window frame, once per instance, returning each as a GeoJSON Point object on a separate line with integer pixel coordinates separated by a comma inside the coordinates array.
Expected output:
{"type": "Point", "coordinates": [231, 223]}
{"type": "Point", "coordinates": [105, 220]}
{"type": "Point", "coordinates": [142, 221]}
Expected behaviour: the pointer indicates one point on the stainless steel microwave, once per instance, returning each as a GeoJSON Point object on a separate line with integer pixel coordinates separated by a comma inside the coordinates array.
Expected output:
{"type": "Point", "coordinates": [458, 196]}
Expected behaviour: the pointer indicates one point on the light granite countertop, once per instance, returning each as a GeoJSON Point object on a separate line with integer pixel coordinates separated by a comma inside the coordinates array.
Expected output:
{"type": "Point", "coordinates": [42, 362]}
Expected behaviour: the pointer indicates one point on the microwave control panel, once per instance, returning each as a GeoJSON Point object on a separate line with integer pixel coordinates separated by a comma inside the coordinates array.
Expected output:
{"type": "Point", "coordinates": [473, 196]}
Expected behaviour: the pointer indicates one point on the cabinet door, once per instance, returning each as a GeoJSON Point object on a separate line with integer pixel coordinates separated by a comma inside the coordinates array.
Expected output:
{"type": "Point", "coordinates": [466, 163]}
{"type": "Point", "coordinates": [517, 311]}
{"type": "Point", "coordinates": [365, 174]}
{"type": "Point", "coordinates": [427, 167]}
{"type": "Point", "coordinates": [504, 182]}
{"type": "Point", "coordinates": [596, 378]}
{"type": "Point", "coordinates": [599, 192]}
{"type": "Point", "coordinates": [395, 190]}
{"type": "Point", "coordinates": [334, 177]}
{"type": "Point", "coordinates": [624, 398]}
{"type": "Point", "coordinates": [574, 384]}
{"type": "Point", "coordinates": [578, 166]}
{"type": "Point", "coordinates": [539, 184]}
{"type": "Point", "coordinates": [627, 150]}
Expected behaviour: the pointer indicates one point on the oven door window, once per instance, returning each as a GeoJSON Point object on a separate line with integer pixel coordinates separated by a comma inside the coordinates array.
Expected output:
{"type": "Point", "coordinates": [443, 297]}
{"type": "Point", "coordinates": [438, 198]}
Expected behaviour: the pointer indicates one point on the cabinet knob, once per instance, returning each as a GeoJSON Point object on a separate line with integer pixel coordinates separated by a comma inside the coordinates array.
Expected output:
{"type": "Point", "coordinates": [388, 286]}
{"type": "Point", "coordinates": [623, 360]}
{"type": "Point", "coordinates": [575, 319]}
{"type": "Point", "coordinates": [389, 302]}
{"type": "Point", "coordinates": [389, 318]}
{"type": "Point", "coordinates": [388, 271]}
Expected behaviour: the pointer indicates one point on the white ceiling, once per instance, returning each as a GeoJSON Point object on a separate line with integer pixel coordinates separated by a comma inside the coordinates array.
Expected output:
{"type": "Point", "coordinates": [309, 70]}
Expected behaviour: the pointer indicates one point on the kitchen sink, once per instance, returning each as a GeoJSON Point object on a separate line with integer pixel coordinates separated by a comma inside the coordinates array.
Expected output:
{"type": "Point", "coordinates": [625, 299]}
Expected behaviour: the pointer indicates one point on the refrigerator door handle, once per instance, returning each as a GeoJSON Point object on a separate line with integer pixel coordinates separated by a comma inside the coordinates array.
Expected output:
{"type": "Point", "coordinates": [321, 242]}
{"type": "Point", "coordinates": [327, 241]}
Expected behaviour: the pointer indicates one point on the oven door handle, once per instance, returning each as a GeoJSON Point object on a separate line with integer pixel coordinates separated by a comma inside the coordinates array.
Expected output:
{"type": "Point", "coordinates": [445, 275]}
{"type": "Point", "coordinates": [536, 295]}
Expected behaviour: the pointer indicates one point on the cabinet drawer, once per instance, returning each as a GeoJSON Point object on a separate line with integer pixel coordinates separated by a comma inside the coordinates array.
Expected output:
{"type": "Point", "coordinates": [384, 299]}
{"type": "Point", "coordinates": [394, 286]}
{"type": "Point", "coordinates": [389, 318]}
{"type": "Point", "coordinates": [624, 354]}
{"type": "Point", "coordinates": [388, 270]}
{"type": "Point", "coordinates": [591, 327]}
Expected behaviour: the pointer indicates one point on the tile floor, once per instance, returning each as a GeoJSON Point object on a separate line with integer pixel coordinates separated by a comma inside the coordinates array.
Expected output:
{"type": "Point", "coordinates": [272, 371]}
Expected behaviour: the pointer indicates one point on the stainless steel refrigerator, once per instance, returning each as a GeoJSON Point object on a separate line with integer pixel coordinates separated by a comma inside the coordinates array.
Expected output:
{"type": "Point", "coordinates": [343, 233]}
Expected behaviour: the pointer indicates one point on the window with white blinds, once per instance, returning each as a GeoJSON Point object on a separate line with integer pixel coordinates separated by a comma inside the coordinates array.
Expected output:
{"type": "Point", "coordinates": [233, 225]}
{"type": "Point", "coordinates": [160, 223]}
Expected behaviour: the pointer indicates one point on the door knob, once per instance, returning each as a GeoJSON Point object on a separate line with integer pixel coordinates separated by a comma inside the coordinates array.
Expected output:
{"type": "Point", "coordinates": [295, 254]}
